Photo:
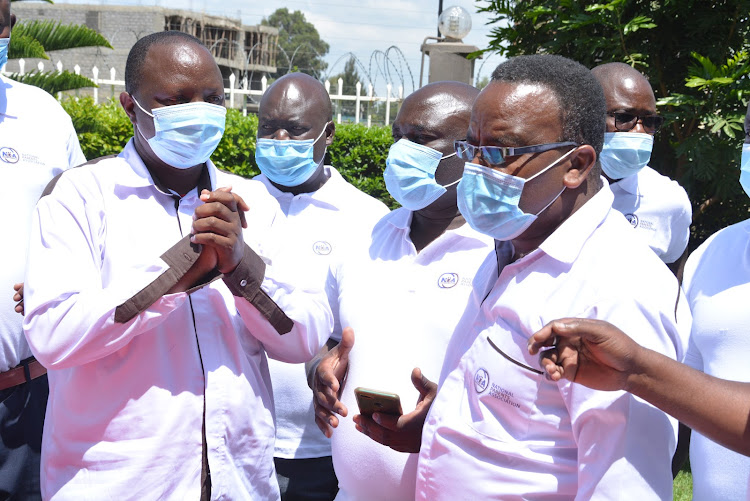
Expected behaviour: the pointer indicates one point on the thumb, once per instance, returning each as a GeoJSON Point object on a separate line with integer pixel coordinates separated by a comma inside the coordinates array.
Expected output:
{"type": "Point", "coordinates": [347, 342]}
{"type": "Point", "coordinates": [423, 385]}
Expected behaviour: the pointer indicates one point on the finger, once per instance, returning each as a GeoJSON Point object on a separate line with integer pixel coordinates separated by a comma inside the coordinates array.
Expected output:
{"type": "Point", "coordinates": [347, 341]}
{"type": "Point", "coordinates": [18, 287]}
{"type": "Point", "coordinates": [17, 297]}
{"type": "Point", "coordinates": [217, 210]}
{"type": "Point", "coordinates": [324, 427]}
{"type": "Point", "coordinates": [221, 196]}
{"type": "Point", "coordinates": [423, 385]}
{"type": "Point", "coordinates": [215, 225]}
{"type": "Point", "coordinates": [18, 308]}
{"type": "Point", "coordinates": [328, 400]}
{"type": "Point", "coordinates": [388, 421]}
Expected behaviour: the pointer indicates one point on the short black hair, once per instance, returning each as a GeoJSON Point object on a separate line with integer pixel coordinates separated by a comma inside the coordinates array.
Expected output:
{"type": "Point", "coordinates": [582, 105]}
{"type": "Point", "coordinates": [137, 54]}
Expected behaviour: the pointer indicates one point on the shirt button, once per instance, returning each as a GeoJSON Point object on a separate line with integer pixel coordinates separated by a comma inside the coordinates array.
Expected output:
{"type": "Point", "coordinates": [243, 283]}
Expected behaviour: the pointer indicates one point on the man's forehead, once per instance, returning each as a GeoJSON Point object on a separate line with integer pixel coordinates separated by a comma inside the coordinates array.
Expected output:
{"type": "Point", "coordinates": [293, 100]}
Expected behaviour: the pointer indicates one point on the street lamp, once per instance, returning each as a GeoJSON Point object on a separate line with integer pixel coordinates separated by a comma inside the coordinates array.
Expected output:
{"type": "Point", "coordinates": [448, 55]}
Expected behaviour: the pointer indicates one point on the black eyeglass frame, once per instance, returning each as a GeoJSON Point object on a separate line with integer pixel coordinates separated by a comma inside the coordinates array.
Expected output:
{"type": "Point", "coordinates": [462, 147]}
{"type": "Point", "coordinates": [651, 128]}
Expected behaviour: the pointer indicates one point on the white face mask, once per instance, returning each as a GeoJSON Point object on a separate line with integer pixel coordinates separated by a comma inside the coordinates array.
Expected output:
{"type": "Point", "coordinates": [186, 134]}
{"type": "Point", "coordinates": [625, 153]}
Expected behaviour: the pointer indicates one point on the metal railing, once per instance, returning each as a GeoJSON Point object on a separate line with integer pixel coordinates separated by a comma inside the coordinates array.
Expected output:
{"type": "Point", "coordinates": [238, 91]}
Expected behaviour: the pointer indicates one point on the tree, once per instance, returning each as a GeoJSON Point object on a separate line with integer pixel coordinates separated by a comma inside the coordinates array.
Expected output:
{"type": "Point", "coordinates": [299, 41]}
{"type": "Point", "coordinates": [350, 77]}
{"type": "Point", "coordinates": [33, 39]}
{"type": "Point", "coordinates": [695, 55]}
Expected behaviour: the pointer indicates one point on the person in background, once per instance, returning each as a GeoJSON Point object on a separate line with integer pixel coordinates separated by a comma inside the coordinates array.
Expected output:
{"type": "Point", "coordinates": [322, 218]}
{"type": "Point", "coordinates": [404, 295]}
{"type": "Point", "coordinates": [156, 351]}
{"type": "Point", "coordinates": [656, 206]}
{"type": "Point", "coordinates": [37, 142]}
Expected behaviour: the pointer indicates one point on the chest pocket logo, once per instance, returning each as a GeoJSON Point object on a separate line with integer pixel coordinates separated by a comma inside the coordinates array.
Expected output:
{"type": "Point", "coordinates": [632, 219]}
{"type": "Point", "coordinates": [9, 155]}
{"type": "Point", "coordinates": [448, 280]}
{"type": "Point", "coordinates": [322, 248]}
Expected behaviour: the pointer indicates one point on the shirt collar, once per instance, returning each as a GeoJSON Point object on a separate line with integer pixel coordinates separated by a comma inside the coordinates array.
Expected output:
{"type": "Point", "coordinates": [566, 242]}
{"type": "Point", "coordinates": [138, 176]}
{"type": "Point", "coordinates": [629, 184]}
{"type": "Point", "coordinates": [325, 197]}
{"type": "Point", "coordinates": [401, 219]}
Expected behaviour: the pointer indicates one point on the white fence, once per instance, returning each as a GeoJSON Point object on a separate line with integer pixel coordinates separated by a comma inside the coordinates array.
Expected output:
{"type": "Point", "coordinates": [237, 93]}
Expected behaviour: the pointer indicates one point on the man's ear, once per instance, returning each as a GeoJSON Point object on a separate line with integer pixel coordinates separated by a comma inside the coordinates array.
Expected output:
{"type": "Point", "coordinates": [330, 132]}
{"type": "Point", "coordinates": [581, 162]}
{"type": "Point", "coordinates": [12, 21]}
{"type": "Point", "coordinates": [127, 103]}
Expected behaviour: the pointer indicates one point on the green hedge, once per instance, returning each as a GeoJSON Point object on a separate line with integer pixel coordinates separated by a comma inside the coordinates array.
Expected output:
{"type": "Point", "coordinates": [358, 152]}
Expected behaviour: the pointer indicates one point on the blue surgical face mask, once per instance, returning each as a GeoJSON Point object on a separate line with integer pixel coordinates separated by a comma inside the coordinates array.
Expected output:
{"type": "Point", "coordinates": [488, 199]}
{"type": "Point", "coordinates": [410, 174]}
{"type": "Point", "coordinates": [625, 153]}
{"type": "Point", "coordinates": [287, 162]}
{"type": "Point", "coordinates": [4, 44]}
{"type": "Point", "coordinates": [186, 134]}
{"type": "Point", "coordinates": [745, 168]}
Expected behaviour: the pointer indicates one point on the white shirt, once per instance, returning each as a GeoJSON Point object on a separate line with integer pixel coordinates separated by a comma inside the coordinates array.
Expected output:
{"type": "Point", "coordinates": [37, 142]}
{"type": "Point", "coordinates": [312, 230]}
{"type": "Point", "coordinates": [498, 429]}
{"type": "Point", "coordinates": [126, 400]}
{"type": "Point", "coordinates": [403, 307]}
{"type": "Point", "coordinates": [658, 209]}
{"type": "Point", "coordinates": [717, 284]}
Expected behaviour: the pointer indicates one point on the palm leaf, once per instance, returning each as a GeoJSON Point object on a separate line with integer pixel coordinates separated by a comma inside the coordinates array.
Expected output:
{"type": "Point", "coordinates": [55, 36]}
{"type": "Point", "coordinates": [54, 81]}
{"type": "Point", "coordinates": [25, 46]}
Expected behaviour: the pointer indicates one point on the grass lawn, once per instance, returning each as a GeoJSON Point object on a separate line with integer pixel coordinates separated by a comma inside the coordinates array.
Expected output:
{"type": "Point", "coordinates": [683, 484]}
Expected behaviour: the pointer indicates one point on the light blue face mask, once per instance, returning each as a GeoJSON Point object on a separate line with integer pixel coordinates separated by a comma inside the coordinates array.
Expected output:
{"type": "Point", "coordinates": [4, 45]}
{"type": "Point", "coordinates": [488, 199]}
{"type": "Point", "coordinates": [287, 162]}
{"type": "Point", "coordinates": [186, 134]}
{"type": "Point", "coordinates": [625, 153]}
{"type": "Point", "coordinates": [745, 168]}
{"type": "Point", "coordinates": [410, 174]}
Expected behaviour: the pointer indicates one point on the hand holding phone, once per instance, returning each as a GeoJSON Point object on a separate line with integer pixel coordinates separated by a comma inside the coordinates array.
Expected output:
{"type": "Point", "coordinates": [370, 401]}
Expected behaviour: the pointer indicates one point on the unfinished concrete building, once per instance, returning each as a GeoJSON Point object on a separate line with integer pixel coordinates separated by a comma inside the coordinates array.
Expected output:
{"type": "Point", "coordinates": [246, 51]}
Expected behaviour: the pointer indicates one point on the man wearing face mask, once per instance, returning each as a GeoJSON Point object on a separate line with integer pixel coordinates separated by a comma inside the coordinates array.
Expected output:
{"type": "Point", "coordinates": [717, 284]}
{"type": "Point", "coordinates": [404, 296]}
{"type": "Point", "coordinates": [156, 351]}
{"type": "Point", "coordinates": [497, 428]}
{"type": "Point", "coordinates": [656, 206]}
{"type": "Point", "coordinates": [37, 142]}
{"type": "Point", "coordinates": [322, 218]}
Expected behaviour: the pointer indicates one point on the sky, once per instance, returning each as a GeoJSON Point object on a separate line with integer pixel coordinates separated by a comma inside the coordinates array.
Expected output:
{"type": "Point", "coordinates": [361, 27]}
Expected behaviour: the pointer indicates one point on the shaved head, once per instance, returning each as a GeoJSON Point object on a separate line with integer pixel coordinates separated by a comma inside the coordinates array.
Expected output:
{"type": "Point", "coordinates": [626, 90]}
{"type": "Point", "coordinates": [614, 73]}
{"type": "Point", "coordinates": [303, 90]}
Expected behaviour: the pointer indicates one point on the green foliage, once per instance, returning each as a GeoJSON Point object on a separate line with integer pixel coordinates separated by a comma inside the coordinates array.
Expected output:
{"type": "Point", "coordinates": [694, 53]}
{"type": "Point", "coordinates": [103, 129]}
{"type": "Point", "coordinates": [301, 46]}
{"type": "Point", "coordinates": [53, 35]}
{"type": "Point", "coordinates": [357, 152]}
{"type": "Point", "coordinates": [53, 81]}
{"type": "Point", "coordinates": [236, 151]}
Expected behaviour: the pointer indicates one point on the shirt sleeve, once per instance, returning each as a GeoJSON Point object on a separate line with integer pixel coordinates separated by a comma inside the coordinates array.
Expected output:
{"type": "Point", "coordinates": [679, 225]}
{"type": "Point", "coordinates": [307, 320]}
{"type": "Point", "coordinates": [75, 154]}
{"type": "Point", "coordinates": [70, 313]}
{"type": "Point", "coordinates": [624, 443]}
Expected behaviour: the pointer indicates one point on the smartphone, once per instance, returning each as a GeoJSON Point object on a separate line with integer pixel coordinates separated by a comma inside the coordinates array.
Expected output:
{"type": "Point", "coordinates": [370, 401]}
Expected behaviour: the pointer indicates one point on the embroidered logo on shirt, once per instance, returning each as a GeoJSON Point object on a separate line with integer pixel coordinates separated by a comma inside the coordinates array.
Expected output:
{"type": "Point", "coordinates": [632, 219]}
{"type": "Point", "coordinates": [9, 155]}
{"type": "Point", "coordinates": [322, 248]}
{"type": "Point", "coordinates": [481, 380]}
{"type": "Point", "coordinates": [448, 280]}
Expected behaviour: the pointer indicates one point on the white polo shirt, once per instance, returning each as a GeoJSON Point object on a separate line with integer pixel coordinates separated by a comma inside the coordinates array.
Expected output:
{"type": "Point", "coordinates": [498, 429]}
{"type": "Point", "coordinates": [126, 400]}
{"type": "Point", "coordinates": [403, 307]}
{"type": "Point", "coordinates": [37, 142]}
{"type": "Point", "coordinates": [658, 208]}
{"type": "Point", "coordinates": [717, 285]}
{"type": "Point", "coordinates": [312, 231]}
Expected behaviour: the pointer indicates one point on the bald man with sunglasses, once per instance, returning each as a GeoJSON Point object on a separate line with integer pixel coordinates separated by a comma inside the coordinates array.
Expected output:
{"type": "Point", "coordinates": [656, 206]}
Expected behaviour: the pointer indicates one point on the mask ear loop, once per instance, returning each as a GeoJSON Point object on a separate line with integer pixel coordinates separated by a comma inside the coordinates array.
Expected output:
{"type": "Point", "coordinates": [546, 169]}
